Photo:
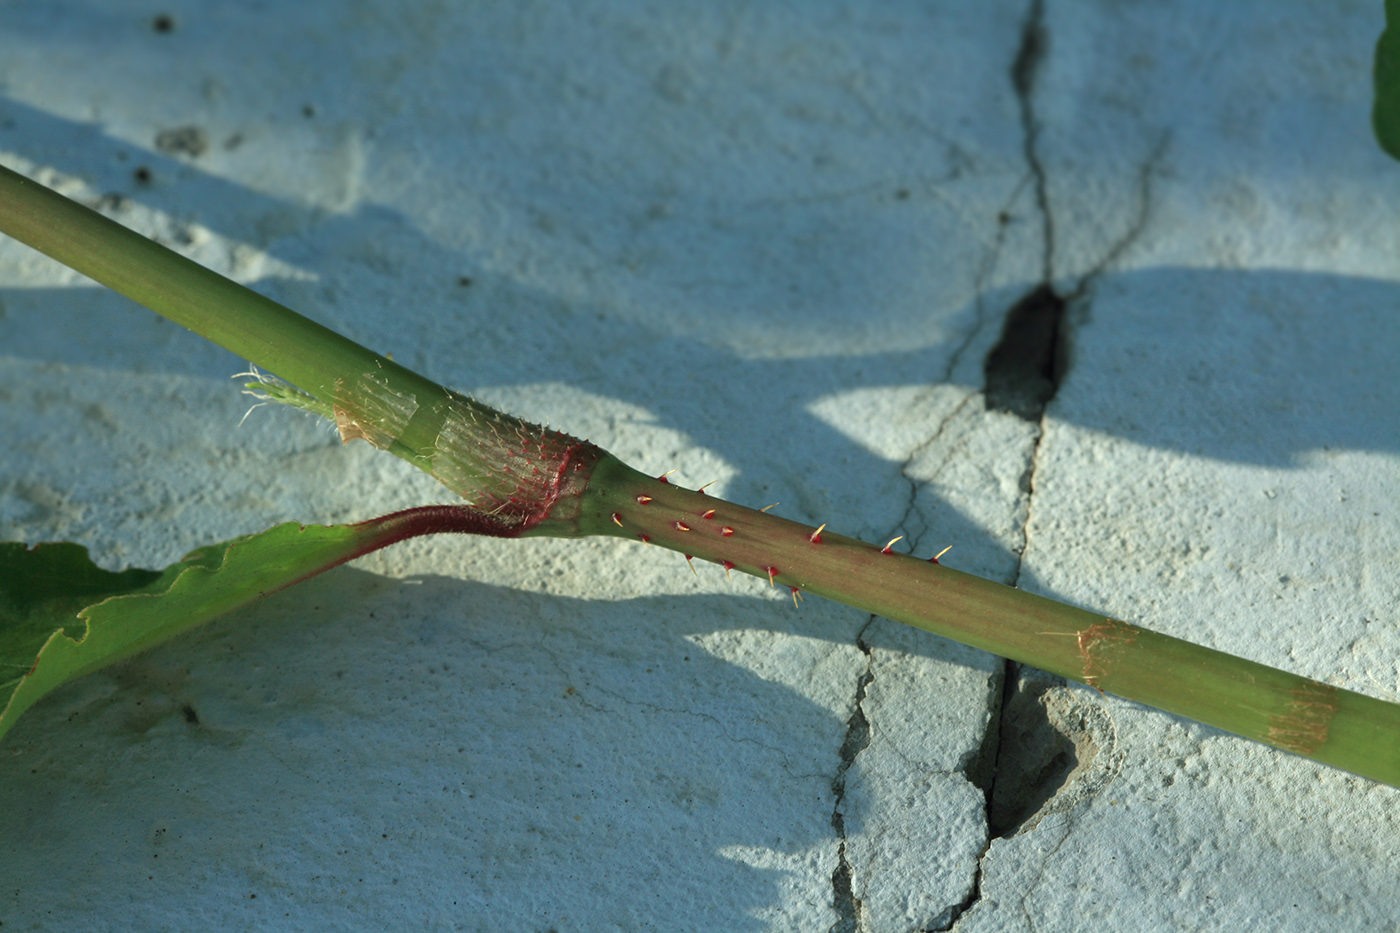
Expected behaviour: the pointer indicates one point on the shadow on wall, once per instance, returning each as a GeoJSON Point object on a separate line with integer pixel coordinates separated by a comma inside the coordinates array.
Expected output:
{"type": "Point", "coordinates": [520, 735]}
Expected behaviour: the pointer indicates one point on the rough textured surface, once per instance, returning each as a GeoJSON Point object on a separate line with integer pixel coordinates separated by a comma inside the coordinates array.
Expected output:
{"type": "Point", "coordinates": [771, 246]}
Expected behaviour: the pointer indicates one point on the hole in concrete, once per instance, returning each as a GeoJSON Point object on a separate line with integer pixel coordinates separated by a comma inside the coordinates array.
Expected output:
{"type": "Point", "coordinates": [1023, 370]}
{"type": "Point", "coordinates": [1035, 760]}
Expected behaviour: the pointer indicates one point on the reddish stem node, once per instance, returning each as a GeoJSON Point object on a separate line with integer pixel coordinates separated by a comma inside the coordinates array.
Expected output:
{"type": "Point", "coordinates": [889, 548]}
{"type": "Point", "coordinates": [816, 536]}
{"type": "Point", "coordinates": [617, 519]}
{"type": "Point", "coordinates": [726, 531]}
{"type": "Point", "coordinates": [682, 526]}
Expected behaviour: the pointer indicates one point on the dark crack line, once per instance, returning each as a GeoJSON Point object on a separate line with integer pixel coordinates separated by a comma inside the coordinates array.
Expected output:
{"type": "Point", "coordinates": [1036, 337]}
{"type": "Point", "coordinates": [1024, 71]}
{"type": "Point", "coordinates": [858, 729]}
{"type": "Point", "coordinates": [905, 525]}
{"type": "Point", "coordinates": [1029, 360]}
{"type": "Point", "coordinates": [1139, 224]}
{"type": "Point", "coordinates": [856, 740]}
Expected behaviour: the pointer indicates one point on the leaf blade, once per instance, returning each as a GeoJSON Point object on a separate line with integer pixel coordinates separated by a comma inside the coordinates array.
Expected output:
{"type": "Point", "coordinates": [61, 616]}
{"type": "Point", "coordinates": [1385, 114]}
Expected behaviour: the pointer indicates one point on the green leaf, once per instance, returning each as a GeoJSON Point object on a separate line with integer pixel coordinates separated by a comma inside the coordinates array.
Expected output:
{"type": "Point", "coordinates": [61, 616]}
{"type": "Point", "coordinates": [1385, 115]}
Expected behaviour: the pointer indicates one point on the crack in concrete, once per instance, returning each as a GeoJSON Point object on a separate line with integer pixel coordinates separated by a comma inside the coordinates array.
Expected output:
{"type": "Point", "coordinates": [1035, 43]}
{"type": "Point", "coordinates": [1024, 70]}
{"type": "Point", "coordinates": [1043, 313]}
{"type": "Point", "coordinates": [1029, 360]}
{"type": "Point", "coordinates": [857, 739]}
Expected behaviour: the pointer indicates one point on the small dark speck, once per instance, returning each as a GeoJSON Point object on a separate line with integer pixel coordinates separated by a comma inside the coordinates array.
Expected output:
{"type": "Point", "coordinates": [252, 897]}
{"type": "Point", "coordinates": [183, 140]}
{"type": "Point", "coordinates": [163, 23]}
{"type": "Point", "coordinates": [902, 194]}
{"type": "Point", "coordinates": [464, 281]}
{"type": "Point", "coordinates": [191, 716]}
{"type": "Point", "coordinates": [308, 111]}
{"type": "Point", "coordinates": [142, 175]}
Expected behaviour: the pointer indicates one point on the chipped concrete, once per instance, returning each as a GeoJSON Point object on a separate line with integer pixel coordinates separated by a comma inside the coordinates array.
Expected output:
{"type": "Point", "coordinates": [772, 247]}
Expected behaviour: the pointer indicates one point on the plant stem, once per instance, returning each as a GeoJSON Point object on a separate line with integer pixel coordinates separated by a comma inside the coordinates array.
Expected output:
{"type": "Point", "coordinates": [512, 471]}
{"type": "Point", "coordinates": [298, 349]}
{"type": "Point", "coordinates": [1338, 727]}
{"type": "Point", "coordinates": [523, 479]}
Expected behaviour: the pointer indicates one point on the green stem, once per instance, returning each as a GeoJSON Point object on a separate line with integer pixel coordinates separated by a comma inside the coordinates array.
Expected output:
{"type": "Point", "coordinates": [1337, 727]}
{"type": "Point", "coordinates": [511, 470]}
{"type": "Point", "coordinates": [250, 325]}
{"type": "Point", "coordinates": [523, 479]}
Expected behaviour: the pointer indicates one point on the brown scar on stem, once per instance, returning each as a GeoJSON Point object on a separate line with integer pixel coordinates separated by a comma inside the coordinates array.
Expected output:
{"type": "Point", "coordinates": [1302, 728]}
{"type": "Point", "coordinates": [371, 411]}
{"type": "Point", "coordinates": [349, 428]}
{"type": "Point", "coordinates": [1094, 642]}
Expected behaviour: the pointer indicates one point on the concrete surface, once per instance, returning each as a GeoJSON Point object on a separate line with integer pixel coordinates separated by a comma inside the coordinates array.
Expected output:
{"type": "Point", "coordinates": [770, 246]}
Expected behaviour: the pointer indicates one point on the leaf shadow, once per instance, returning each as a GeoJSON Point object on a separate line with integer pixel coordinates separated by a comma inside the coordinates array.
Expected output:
{"type": "Point", "coordinates": [546, 737]}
